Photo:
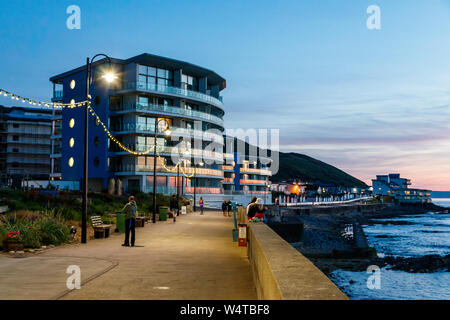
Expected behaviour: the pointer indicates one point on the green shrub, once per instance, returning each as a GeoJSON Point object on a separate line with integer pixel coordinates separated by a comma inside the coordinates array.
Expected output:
{"type": "Point", "coordinates": [53, 231]}
{"type": "Point", "coordinates": [69, 213]}
{"type": "Point", "coordinates": [15, 205]}
{"type": "Point", "coordinates": [31, 233]}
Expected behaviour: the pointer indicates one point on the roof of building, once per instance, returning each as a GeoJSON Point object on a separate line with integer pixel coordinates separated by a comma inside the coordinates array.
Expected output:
{"type": "Point", "coordinates": [163, 62]}
{"type": "Point", "coordinates": [26, 113]}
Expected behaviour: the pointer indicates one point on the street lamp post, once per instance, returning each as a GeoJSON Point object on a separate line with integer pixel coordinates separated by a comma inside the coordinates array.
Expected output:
{"type": "Point", "coordinates": [195, 183]}
{"type": "Point", "coordinates": [109, 77]}
{"type": "Point", "coordinates": [167, 132]}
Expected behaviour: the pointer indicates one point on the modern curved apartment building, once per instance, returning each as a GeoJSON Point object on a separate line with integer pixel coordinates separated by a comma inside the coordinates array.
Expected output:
{"type": "Point", "coordinates": [150, 89]}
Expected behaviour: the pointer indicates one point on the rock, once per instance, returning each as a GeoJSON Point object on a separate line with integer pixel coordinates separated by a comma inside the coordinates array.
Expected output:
{"type": "Point", "coordinates": [12, 252]}
{"type": "Point", "coordinates": [20, 252]}
{"type": "Point", "coordinates": [51, 246]}
{"type": "Point", "coordinates": [44, 247]}
{"type": "Point", "coordinates": [30, 250]}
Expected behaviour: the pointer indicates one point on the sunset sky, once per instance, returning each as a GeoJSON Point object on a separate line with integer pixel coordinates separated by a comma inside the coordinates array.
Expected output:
{"type": "Point", "coordinates": [368, 102]}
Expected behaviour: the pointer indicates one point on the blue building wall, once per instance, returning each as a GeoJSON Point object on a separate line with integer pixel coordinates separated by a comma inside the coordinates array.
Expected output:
{"type": "Point", "coordinates": [99, 151]}
{"type": "Point", "coordinates": [237, 174]}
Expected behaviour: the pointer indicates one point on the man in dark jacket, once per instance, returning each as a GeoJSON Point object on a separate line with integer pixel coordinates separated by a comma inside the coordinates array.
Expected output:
{"type": "Point", "coordinates": [174, 205]}
{"type": "Point", "coordinates": [229, 208]}
{"type": "Point", "coordinates": [224, 208]}
{"type": "Point", "coordinates": [130, 211]}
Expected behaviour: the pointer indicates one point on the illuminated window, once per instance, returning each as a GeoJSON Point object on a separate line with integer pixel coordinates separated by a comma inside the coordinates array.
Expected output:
{"type": "Point", "coordinates": [72, 123]}
{"type": "Point", "coordinates": [72, 84]}
{"type": "Point", "coordinates": [96, 141]}
{"type": "Point", "coordinates": [72, 103]}
{"type": "Point", "coordinates": [71, 142]}
{"type": "Point", "coordinates": [71, 162]}
{"type": "Point", "coordinates": [96, 161]}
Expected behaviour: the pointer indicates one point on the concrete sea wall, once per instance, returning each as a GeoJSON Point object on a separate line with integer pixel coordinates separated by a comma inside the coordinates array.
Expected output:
{"type": "Point", "coordinates": [282, 273]}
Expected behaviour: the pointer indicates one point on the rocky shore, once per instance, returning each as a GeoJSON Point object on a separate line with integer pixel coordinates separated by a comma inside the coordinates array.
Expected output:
{"type": "Point", "coordinates": [333, 239]}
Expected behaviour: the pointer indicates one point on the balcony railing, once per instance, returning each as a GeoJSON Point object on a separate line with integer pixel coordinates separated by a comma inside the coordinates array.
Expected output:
{"type": "Point", "coordinates": [260, 182]}
{"type": "Point", "coordinates": [189, 170]}
{"type": "Point", "coordinates": [158, 88]}
{"type": "Point", "coordinates": [171, 150]}
{"type": "Point", "coordinates": [228, 180]}
{"type": "Point", "coordinates": [175, 131]}
{"type": "Point", "coordinates": [203, 190]}
{"type": "Point", "coordinates": [228, 168]}
{"type": "Point", "coordinates": [262, 172]}
{"type": "Point", "coordinates": [170, 110]}
{"type": "Point", "coordinates": [57, 95]}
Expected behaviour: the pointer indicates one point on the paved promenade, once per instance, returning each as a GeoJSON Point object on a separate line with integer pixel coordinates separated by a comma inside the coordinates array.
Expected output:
{"type": "Point", "coordinates": [194, 258]}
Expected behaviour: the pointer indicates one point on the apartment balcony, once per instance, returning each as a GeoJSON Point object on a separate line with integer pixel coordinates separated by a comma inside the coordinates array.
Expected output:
{"type": "Point", "coordinates": [228, 168]}
{"type": "Point", "coordinates": [134, 128]}
{"type": "Point", "coordinates": [57, 96]}
{"type": "Point", "coordinates": [253, 182]}
{"type": "Point", "coordinates": [29, 152]}
{"type": "Point", "coordinates": [131, 169]}
{"type": "Point", "coordinates": [169, 151]}
{"type": "Point", "coordinates": [203, 190]}
{"type": "Point", "coordinates": [167, 110]}
{"type": "Point", "coordinates": [261, 172]}
{"type": "Point", "coordinates": [172, 91]}
{"type": "Point", "coordinates": [228, 181]}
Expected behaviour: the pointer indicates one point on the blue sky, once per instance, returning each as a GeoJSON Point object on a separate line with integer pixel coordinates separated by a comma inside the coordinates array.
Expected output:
{"type": "Point", "coordinates": [366, 101]}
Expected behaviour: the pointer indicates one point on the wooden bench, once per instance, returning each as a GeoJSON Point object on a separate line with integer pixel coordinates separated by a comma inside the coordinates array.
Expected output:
{"type": "Point", "coordinates": [100, 230]}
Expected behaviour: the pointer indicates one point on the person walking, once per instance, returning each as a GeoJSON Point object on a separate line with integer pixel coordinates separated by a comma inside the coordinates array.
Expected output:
{"type": "Point", "coordinates": [229, 208]}
{"type": "Point", "coordinates": [224, 208]}
{"type": "Point", "coordinates": [130, 211]}
{"type": "Point", "coordinates": [174, 205]}
{"type": "Point", "coordinates": [200, 204]}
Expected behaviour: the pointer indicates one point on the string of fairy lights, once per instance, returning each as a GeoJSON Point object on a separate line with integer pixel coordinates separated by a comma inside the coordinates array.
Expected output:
{"type": "Point", "coordinates": [136, 153]}
{"type": "Point", "coordinates": [87, 103]}
{"type": "Point", "coordinates": [39, 103]}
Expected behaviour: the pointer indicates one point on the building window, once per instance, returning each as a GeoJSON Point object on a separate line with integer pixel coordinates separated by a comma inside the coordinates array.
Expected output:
{"type": "Point", "coordinates": [72, 103]}
{"type": "Point", "coordinates": [96, 141]}
{"type": "Point", "coordinates": [96, 161]}
{"type": "Point", "coordinates": [71, 142]}
{"type": "Point", "coordinates": [15, 125]}
{"type": "Point", "coordinates": [15, 138]}
{"type": "Point", "coordinates": [149, 76]}
{"type": "Point", "coordinates": [71, 162]}
{"type": "Point", "coordinates": [16, 150]}
{"type": "Point", "coordinates": [72, 123]}
{"type": "Point", "coordinates": [72, 84]}
{"type": "Point", "coordinates": [97, 100]}
{"type": "Point", "coordinates": [189, 83]}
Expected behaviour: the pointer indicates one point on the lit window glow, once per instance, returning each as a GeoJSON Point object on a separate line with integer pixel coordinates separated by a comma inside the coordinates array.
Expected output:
{"type": "Point", "coordinates": [71, 162]}
{"type": "Point", "coordinates": [72, 123]}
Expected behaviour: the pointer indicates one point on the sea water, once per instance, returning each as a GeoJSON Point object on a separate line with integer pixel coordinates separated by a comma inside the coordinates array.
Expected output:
{"type": "Point", "coordinates": [419, 235]}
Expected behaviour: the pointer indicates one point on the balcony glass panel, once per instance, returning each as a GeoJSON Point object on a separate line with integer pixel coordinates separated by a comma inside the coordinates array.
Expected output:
{"type": "Point", "coordinates": [167, 89]}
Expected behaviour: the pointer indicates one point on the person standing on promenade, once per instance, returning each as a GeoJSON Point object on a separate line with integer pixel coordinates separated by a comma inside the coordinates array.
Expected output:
{"type": "Point", "coordinates": [229, 207]}
{"type": "Point", "coordinates": [174, 205]}
{"type": "Point", "coordinates": [224, 208]}
{"type": "Point", "coordinates": [200, 204]}
{"type": "Point", "coordinates": [130, 211]}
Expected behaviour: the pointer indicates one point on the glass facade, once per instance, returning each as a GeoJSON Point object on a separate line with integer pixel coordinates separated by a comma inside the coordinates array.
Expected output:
{"type": "Point", "coordinates": [153, 75]}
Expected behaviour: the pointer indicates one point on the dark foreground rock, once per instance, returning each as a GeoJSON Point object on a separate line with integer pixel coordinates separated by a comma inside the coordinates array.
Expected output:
{"type": "Point", "coordinates": [425, 264]}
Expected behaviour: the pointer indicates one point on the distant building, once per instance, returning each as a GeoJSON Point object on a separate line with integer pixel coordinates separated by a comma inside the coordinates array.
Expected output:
{"type": "Point", "coordinates": [392, 185]}
{"type": "Point", "coordinates": [244, 172]}
{"type": "Point", "coordinates": [25, 144]}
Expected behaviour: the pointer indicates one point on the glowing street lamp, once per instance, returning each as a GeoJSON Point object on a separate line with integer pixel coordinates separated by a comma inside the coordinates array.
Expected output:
{"type": "Point", "coordinates": [109, 77]}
